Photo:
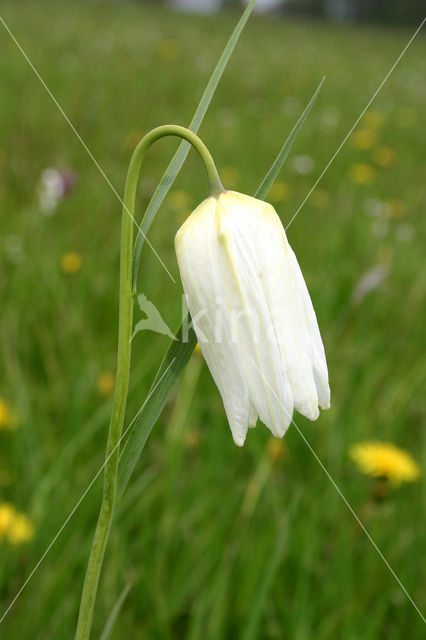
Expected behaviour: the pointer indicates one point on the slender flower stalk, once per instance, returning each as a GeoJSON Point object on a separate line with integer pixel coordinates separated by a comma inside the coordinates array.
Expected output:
{"type": "Point", "coordinates": [126, 296]}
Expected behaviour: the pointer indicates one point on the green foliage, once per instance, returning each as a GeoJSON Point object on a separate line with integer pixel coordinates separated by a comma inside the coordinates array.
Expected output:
{"type": "Point", "coordinates": [205, 531]}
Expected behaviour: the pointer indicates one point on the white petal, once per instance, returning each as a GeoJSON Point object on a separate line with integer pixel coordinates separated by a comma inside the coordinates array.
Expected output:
{"type": "Point", "coordinates": [314, 340]}
{"type": "Point", "coordinates": [240, 229]}
{"type": "Point", "coordinates": [252, 416]}
{"type": "Point", "coordinates": [197, 251]}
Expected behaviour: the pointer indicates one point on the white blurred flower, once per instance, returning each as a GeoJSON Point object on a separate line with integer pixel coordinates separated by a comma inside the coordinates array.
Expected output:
{"type": "Point", "coordinates": [376, 208]}
{"type": "Point", "coordinates": [371, 280]}
{"type": "Point", "coordinates": [330, 117]}
{"type": "Point", "coordinates": [252, 313]}
{"type": "Point", "coordinates": [380, 228]}
{"type": "Point", "coordinates": [303, 165]}
{"type": "Point", "coordinates": [200, 6]}
{"type": "Point", "coordinates": [405, 232]}
{"type": "Point", "coordinates": [54, 185]}
{"type": "Point", "coordinates": [292, 106]}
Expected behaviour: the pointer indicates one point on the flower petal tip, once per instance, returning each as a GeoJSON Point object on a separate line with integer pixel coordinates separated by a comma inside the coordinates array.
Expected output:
{"type": "Point", "coordinates": [239, 440]}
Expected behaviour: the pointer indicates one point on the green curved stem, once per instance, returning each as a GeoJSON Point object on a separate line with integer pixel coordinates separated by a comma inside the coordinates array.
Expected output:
{"type": "Point", "coordinates": [109, 498]}
{"type": "Point", "coordinates": [191, 137]}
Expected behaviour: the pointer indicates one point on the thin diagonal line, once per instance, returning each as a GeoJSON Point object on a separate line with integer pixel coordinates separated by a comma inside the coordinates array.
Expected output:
{"type": "Point", "coordinates": [357, 120]}
{"type": "Point", "coordinates": [80, 500]}
{"type": "Point", "coordinates": [344, 499]}
{"type": "Point", "coordinates": [82, 142]}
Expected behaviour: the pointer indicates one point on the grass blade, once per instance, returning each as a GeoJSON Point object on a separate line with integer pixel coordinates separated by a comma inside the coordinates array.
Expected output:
{"type": "Point", "coordinates": [170, 370]}
{"type": "Point", "coordinates": [115, 611]}
{"type": "Point", "coordinates": [180, 155]}
{"type": "Point", "coordinates": [273, 172]}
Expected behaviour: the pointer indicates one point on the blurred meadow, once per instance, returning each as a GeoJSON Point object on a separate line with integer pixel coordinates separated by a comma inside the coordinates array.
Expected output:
{"type": "Point", "coordinates": [209, 541]}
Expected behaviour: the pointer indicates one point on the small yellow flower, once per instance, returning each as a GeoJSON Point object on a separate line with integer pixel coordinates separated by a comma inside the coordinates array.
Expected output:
{"type": "Point", "coordinates": [71, 262]}
{"type": "Point", "coordinates": [106, 383]}
{"type": "Point", "coordinates": [14, 526]}
{"type": "Point", "coordinates": [230, 176]}
{"type": "Point", "coordinates": [197, 349]}
{"type": "Point", "coordinates": [385, 460]}
{"type": "Point", "coordinates": [363, 139]}
{"type": "Point", "coordinates": [321, 198]}
{"type": "Point", "coordinates": [373, 119]}
{"type": "Point", "coordinates": [8, 417]}
{"type": "Point", "coordinates": [21, 529]}
{"type": "Point", "coordinates": [276, 450]}
{"type": "Point", "coordinates": [278, 192]}
{"type": "Point", "coordinates": [170, 50]}
{"type": "Point", "coordinates": [384, 156]}
{"type": "Point", "coordinates": [7, 513]}
{"type": "Point", "coordinates": [362, 173]}
{"type": "Point", "coordinates": [179, 199]}
{"type": "Point", "coordinates": [4, 414]}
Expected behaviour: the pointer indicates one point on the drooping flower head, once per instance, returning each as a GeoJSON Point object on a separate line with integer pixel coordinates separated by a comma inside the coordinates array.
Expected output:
{"type": "Point", "coordinates": [252, 313]}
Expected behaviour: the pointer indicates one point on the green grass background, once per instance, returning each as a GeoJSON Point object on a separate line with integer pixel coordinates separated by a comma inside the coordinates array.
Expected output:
{"type": "Point", "coordinates": [216, 541]}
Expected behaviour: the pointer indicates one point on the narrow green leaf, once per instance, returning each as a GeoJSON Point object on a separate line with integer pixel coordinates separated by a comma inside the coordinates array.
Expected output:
{"type": "Point", "coordinates": [183, 149]}
{"type": "Point", "coordinates": [273, 172]}
{"type": "Point", "coordinates": [167, 376]}
{"type": "Point", "coordinates": [114, 612]}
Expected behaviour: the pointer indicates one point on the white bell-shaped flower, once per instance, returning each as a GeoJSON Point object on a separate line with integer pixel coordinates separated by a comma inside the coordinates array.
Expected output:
{"type": "Point", "coordinates": [252, 313]}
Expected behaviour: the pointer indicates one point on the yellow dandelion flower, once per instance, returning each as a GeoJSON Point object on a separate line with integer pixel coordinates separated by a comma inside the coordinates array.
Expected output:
{"type": "Point", "coordinates": [8, 417]}
{"type": "Point", "coordinates": [363, 139]}
{"type": "Point", "coordinates": [20, 530]}
{"type": "Point", "coordinates": [7, 513]}
{"type": "Point", "coordinates": [170, 50]}
{"type": "Point", "coordinates": [71, 262]}
{"type": "Point", "coordinates": [179, 199]}
{"type": "Point", "coordinates": [362, 173]}
{"type": "Point", "coordinates": [4, 414]}
{"type": "Point", "coordinates": [14, 526]}
{"type": "Point", "coordinates": [385, 460]}
{"type": "Point", "coordinates": [321, 199]}
{"type": "Point", "coordinates": [106, 383]}
{"type": "Point", "coordinates": [278, 191]}
{"type": "Point", "coordinates": [373, 119]}
{"type": "Point", "coordinates": [275, 450]}
{"type": "Point", "coordinates": [230, 176]}
{"type": "Point", "coordinates": [384, 156]}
